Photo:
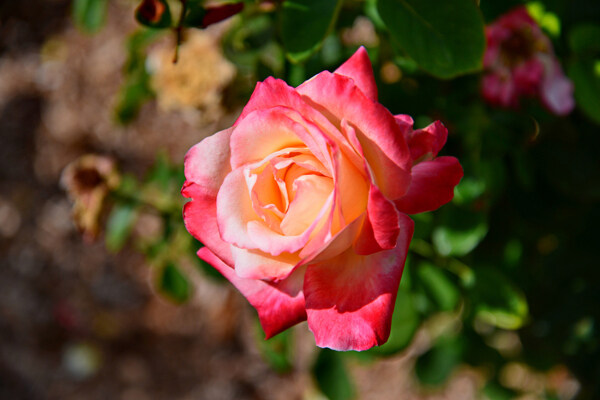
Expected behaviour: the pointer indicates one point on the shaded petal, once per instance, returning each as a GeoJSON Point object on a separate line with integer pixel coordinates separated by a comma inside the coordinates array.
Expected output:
{"type": "Point", "coordinates": [200, 218]}
{"type": "Point", "coordinates": [279, 305]}
{"type": "Point", "coordinates": [207, 163]}
{"type": "Point", "coordinates": [432, 185]}
{"type": "Point", "coordinates": [254, 264]}
{"type": "Point", "coordinates": [427, 142]}
{"type": "Point", "coordinates": [350, 299]}
{"type": "Point", "coordinates": [234, 210]}
{"type": "Point", "coordinates": [381, 228]}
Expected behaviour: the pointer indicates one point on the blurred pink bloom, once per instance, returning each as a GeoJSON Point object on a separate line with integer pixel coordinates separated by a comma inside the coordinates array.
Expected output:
{"type": "Point", "coordinates": [520, 62]}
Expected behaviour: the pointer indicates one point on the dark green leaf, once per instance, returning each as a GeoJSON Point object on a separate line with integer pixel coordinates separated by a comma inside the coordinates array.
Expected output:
{"type": "Point", "coordinates": [583, 40]}
{"type": "Point", "coordinates": [154, 14]}
{"type": "Point", "coordinates": [438, 286]}
{"type": "Point", "coordinates": [436, 365]}
{"type": "Point", "coordinates": [120, 223]}
{"type": "Point", "coordinates": [173, 284]}
{"type": "Point", "coordinates": [332, 377]}
{"type": "Point", "coordinates": [195, 14]}
{"type": "Point", "coordinates": [304, 25]}
{"type": "Point", "coordinates": [459, 232]}
{"type": "Point", "coordinates": [585, 74]}
{"type": "Point", "coordinates": [89, 15]}
{"type": "Point", "coordinates": [497, 301]}
{"type": "Point", "coordinates": [445, 37]}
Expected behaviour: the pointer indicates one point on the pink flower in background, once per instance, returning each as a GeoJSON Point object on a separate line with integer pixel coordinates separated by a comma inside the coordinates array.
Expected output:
{"type": "Point", "coordinates": [301, 204]}
{"type": "Point", "coordinates": [520, 62]}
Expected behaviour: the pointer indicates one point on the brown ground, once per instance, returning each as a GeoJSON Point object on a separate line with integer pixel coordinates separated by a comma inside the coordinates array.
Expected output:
{"type": "Point", "coordinates": [77, 322]}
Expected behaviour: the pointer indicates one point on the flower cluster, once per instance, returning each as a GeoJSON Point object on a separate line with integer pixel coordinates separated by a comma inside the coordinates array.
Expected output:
{"type": "Point", "coordinates": [520, 62]}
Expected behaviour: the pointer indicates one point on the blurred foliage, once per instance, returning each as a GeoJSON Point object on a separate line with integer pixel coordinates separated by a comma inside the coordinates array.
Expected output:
{"type": "Point", "coordinates": [89, 15]}
{"type": "Point", "coordinates": [512, 256]}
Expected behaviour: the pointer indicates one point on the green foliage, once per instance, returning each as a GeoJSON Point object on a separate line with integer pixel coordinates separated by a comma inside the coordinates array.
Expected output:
{"type": "Point", "coordinates": [435, 366]}
{"type": "Point", "coordinates": [120, 223]}
{"type": "Point", "coordinates": [459, 231]}
{"type": "Point", "coordinates": [438, 286]}
{"type": "Point", "coordinates": [89, 15]}
{"type": "Point", "coordinates": [584, 69]}
{"type": "Point", "coordinates": [304, 25]}
{"type": "Point", "coordinates": [497, 301]}
{"type": "Point", "coordinates": [443, 46]}
{"type": "Point", "coordinates": [332, 377]}
{"type": "Point", "coordinates": [136, 88]}
{"type": "Point", "coordinates": [173, 284]}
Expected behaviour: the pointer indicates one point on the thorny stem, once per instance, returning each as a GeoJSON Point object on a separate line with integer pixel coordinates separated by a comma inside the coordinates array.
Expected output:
{"type": "Point", "coordinates": [179, 30]}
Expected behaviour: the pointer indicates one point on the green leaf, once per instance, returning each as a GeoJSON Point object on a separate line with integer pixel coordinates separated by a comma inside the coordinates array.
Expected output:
{"type": "Point", "coordinates": [119, 226]}
{"type": "Point", "coordinates": [154, 14]}
{"type": "Point", "coordinates": [459, 232]}
{"type": "Point", "coordinates": [586, 78]}
{"type": "Point", "coordinates": [136, 88]}
{"type": "Point", "coordinates": [438, 286]}
{"type": "Point", "coordinates": [304, 25]}
{"type": "Point", "coordinates": [583, 39]}
{"type": "Point", "coordinates": [445, 37]}
{"type": "Point", "coordinates": [497, 301]}
{"type": "Point", "coordinates": [173, 284]}
{"type": "Point", "coordinates": [405, 322]}
{"type": "Point", "coordinates": [277, 351]}
{"type": "Point", "coordinates": [436, 365]}
{"type": "Point", "coordinates": [89, 15]}
{"type": "Point", "coordinates": [331, 376]}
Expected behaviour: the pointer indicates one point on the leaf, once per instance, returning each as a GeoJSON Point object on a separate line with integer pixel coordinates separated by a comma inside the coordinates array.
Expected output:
{"type": "Point", "coordinates": [331, 376]}
{"type": "Point", "coordinates": [304, 25]}
{"type": "Point", "coordinates": [445, 37]}
{"type": "Point", "coordinates": [119, 226]}
{"type": "Point", "coordinates": [136, 88]}
{"type": "Point", "coordinates": [586, 78]}
{"type": "Point", "coordinates": [89, 15]}
{"type": "Point", "coordinates": [436, 365]}
{"type": "Point", "coordinates": [438, 286]}
{"type": "Point", "coordinates": [459, 232]}
{"type": "Point", "coordinates": [278, 350]}
{"type": "Point", "coordinates": [583, 39]}
{"type": "Point", "coordinates": [497, 301]}
{"type": "Point", "coordinates": [173, 284]}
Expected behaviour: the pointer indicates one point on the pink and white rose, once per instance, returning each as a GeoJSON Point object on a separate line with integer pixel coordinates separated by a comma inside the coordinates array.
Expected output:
{"type": "Point", "coordinates": [302, 203]}
{"type": "Point", "coordinates": [520, 62]}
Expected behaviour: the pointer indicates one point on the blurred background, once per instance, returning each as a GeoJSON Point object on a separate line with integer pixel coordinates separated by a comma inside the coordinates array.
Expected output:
{"type": "Point", "coordinates": [102, 296]}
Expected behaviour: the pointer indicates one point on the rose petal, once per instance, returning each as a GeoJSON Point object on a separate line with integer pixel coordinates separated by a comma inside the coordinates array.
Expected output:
{"type": "Point", "coordinates": [427, 142]}
{"type": "Point", "coordinates": [350, 299]}
{"type": "Point", "coordinates": [432, 185]}
{"type": "Point", "coordinates": [557, 90]}
{"type": "Point", "coordinates": [207, 163]}
{"type": "Point", "coordinates": [381, 229]}
{"type": "Point", "coordinates": [279, 305]}
{"type": "Point", "coordinates": [255, 264]}
{"type": "Point", "coordinates": [200, 219]}
{"type": "Point", "coordinates": [359, 69]}
{"type": "Point", "coordinates": [381, 139]}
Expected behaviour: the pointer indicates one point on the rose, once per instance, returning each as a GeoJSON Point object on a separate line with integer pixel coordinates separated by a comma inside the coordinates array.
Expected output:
{"type": "Point", "coordinates": [301, 203]}
{"type": "Point", "coordinates": [520, 62]}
